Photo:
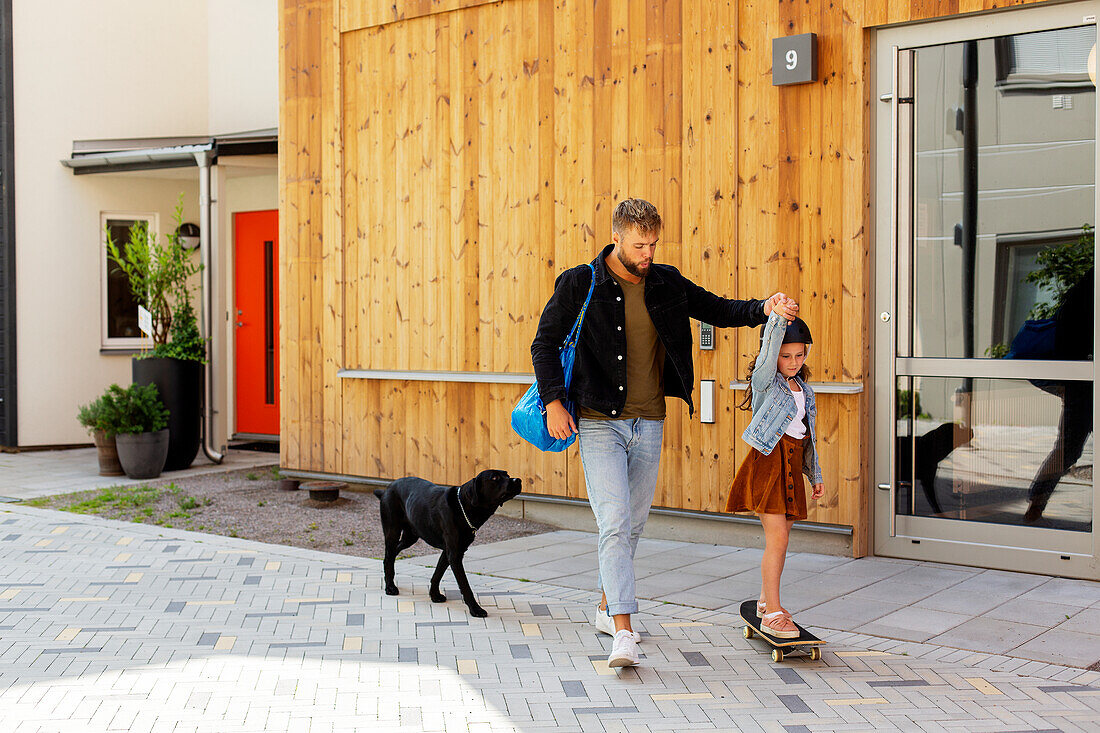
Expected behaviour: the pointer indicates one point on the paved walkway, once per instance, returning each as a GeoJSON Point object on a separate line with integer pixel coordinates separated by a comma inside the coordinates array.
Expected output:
{"type": "Point", "coordinates": [1033, 617]}
{"type": "Point", "coordinates": [113, 626]}
{"type": "Point", "coordinates": [42, 473]}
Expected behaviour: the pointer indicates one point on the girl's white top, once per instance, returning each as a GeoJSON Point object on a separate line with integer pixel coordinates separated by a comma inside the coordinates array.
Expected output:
{"type": "Point", "coordinates": [797, 428]}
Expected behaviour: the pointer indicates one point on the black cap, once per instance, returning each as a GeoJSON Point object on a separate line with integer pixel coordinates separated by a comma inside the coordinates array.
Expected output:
{"type": "Point", "coordinates": [797, 333]}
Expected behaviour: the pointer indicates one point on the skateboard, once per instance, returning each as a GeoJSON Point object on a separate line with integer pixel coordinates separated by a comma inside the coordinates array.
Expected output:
{"type": "Point", "coordinates": [805, 641]}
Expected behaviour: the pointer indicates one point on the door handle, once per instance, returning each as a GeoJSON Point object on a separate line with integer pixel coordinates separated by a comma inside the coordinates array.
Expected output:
{"type": "Point", "coordinates": [885, 487]}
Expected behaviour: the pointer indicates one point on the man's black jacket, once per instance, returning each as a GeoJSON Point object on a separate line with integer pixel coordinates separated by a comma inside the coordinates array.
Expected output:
{"type": "Point", "coordinates": [599, 373]}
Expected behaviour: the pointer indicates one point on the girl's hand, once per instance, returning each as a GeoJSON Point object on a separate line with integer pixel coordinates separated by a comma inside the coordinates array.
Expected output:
{"type": "Point", "coordinates": [783, 305]}
{"type": "Point", "coordinates": [772, 301]}
{"type": "Point", "coordinates": [818, 492]}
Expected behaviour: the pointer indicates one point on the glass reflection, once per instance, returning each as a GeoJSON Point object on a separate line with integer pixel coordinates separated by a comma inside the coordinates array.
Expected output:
{"type": "Point", "coordinates": [1003, 451]}
{"type": "Point", "coordinates": [1004, 180]}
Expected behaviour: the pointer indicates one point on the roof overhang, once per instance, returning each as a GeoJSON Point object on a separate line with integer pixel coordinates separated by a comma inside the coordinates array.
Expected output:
{"type": "Point", "coordinates": [135, 154]}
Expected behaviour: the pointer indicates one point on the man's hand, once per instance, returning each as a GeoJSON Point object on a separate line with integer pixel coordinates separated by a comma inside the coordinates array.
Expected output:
{"type": "Point", "coordinates": [781, 304]}
{"type": "Point", "coordinates": [818, 492]}
{"type": "Point", "coordinates": [559, 423]}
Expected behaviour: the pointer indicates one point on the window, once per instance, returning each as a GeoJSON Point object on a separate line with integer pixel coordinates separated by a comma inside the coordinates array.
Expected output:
{"type": "Point", "coordinates": [1045, 61]}
{"type": "Point", "coordinates": [119, 313]}
{"type": "Point", "coordinates": [1017, 298]}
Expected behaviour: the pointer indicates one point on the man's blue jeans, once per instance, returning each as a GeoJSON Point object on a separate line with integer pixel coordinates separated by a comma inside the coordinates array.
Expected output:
{"type": "Point", "coordinates": [620, 459]}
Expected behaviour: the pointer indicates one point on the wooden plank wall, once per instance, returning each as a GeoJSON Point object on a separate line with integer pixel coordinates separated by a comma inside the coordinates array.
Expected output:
{"type": "Point", "coordinates": [442, 160]}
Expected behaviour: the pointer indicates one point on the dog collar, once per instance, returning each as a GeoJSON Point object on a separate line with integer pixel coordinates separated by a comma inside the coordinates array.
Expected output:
{"type": "Point", "coordinates": [463, 510]}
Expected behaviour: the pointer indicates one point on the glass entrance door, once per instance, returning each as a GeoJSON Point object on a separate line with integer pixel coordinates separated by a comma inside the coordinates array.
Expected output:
{"type": "Point", "coordinates": [985, 335]}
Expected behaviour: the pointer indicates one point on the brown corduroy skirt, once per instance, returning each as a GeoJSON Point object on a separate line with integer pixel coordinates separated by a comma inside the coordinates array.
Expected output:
{"type": "Point", "coordinates": [771, 484]}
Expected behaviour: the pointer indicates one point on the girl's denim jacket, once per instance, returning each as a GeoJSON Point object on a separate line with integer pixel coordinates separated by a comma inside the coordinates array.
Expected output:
{"type": "Point", "coordinates": [773, 406]}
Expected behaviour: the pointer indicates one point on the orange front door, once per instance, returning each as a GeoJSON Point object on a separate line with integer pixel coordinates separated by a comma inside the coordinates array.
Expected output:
{"type": "Point", "coordinates": [256, 315]}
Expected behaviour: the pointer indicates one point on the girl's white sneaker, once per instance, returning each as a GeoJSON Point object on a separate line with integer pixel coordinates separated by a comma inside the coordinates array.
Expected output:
{"type": "Point", "coordinates": [624, 650]}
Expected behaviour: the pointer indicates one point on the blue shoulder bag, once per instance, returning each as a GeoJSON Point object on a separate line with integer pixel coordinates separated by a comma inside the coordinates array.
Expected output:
{"type": "Point", "coordinates": [529, 414]}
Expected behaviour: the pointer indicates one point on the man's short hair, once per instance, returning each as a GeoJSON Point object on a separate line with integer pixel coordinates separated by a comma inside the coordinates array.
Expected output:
{"type": "Point", "coordinates": [636, 213]}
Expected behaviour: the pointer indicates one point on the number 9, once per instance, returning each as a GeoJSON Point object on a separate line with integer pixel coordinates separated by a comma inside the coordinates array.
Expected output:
{"type": "Point", "coordinates": [792, 59]}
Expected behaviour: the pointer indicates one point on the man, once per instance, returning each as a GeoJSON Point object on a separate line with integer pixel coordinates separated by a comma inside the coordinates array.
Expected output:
{"type": "Point", "coordinates": [1072, 342]}
{"type": "Point", "coordinates": [635, 349]}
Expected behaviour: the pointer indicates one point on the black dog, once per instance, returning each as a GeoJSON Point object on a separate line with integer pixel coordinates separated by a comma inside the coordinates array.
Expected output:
{"type": "Point", "coordinates": [445, 517]}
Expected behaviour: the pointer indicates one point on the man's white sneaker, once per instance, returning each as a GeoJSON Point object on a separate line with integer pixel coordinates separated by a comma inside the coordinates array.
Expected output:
{"type": "Point", "coordinates": [605, 623]}
{"type": "Point", "coordinates": [624, 650]}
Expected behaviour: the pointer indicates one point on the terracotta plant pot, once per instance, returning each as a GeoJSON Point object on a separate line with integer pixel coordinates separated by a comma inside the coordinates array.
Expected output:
{"type": "Point", "coordinates": [107, 453]}
{"type": "Point", "coordinates": [142, 455]}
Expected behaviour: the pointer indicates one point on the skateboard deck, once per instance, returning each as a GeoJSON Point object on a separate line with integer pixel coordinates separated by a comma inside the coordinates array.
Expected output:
{"type": "Point", "coordinates": [805, 641]}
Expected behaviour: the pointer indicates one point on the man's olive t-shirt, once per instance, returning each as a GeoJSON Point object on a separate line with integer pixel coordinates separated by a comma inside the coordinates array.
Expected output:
{"type": "Point", "coordinates": [645, 360]}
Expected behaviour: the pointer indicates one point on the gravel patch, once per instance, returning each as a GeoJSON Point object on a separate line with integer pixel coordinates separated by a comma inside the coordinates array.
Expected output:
{"type": "Point", "coordinates": [248, 503]}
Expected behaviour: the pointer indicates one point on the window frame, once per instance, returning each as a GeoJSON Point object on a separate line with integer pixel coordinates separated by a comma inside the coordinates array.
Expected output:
{"type": "Point", "coordinates": [107, 343]}
{"type": "Point", "coordinates": [1002, 289]}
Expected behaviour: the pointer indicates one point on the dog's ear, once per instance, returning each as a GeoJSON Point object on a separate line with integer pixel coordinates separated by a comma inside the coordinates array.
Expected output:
{"type": "Point", "coordinates": [472, 488]}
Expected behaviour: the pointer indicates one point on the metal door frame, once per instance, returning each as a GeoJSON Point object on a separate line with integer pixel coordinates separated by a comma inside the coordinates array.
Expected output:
{"type": "Point", "coordinates": [953, 541]}
{"type": "Point", "coordinates": [9, 423]}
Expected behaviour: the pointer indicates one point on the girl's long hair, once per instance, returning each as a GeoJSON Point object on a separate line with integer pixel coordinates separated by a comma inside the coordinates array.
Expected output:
{"type": "Point", "coordinates": [746, 404]}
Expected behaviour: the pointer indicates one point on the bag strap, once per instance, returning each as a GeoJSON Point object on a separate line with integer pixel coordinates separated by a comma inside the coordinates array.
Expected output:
{"type": "Point", "coordinates": [571, 339]}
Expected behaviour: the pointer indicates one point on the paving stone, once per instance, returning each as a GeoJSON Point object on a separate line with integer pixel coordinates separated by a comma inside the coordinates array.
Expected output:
{"type": "Point", "coordinates": [1020, 610]}
{"type": "Point", "coordinates": [849, 609]}
{"type": "Point", "coordinates": [989, 635]}
{"type": "Point", "coordinates": [670, 582]}
{"type": "Point", "coordinates": [1086, 621]}
{"type": "Point", "coordinates": [891, 591]}
{"type": "Point", "coordinates": [1058, 646]}
{"type": "Point", "coordinates": [1065, 591]}
{"type": "Point", "coordinates": [917, 624]}
{"type": "Point", "coordinates": [794, 704]}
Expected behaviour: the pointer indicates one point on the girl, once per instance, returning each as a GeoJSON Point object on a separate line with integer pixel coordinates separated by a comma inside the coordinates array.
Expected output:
{"type": "Point", "coordinates": [783, 439]}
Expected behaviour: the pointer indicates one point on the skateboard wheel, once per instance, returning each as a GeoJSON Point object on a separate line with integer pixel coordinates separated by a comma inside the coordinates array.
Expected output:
{"type": "Point", "coordinates": [777, 655]}
{"type": "Point", "coordinates": [748, 632]}
{"type": "Point", "coordinates": [815, 654]}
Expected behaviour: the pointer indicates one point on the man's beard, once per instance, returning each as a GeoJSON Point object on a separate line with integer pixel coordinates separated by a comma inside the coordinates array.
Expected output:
{"type": "Point", "coordinates": [632, 268]}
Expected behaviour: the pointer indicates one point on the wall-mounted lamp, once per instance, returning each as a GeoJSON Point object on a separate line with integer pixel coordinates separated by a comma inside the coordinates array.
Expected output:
{"type": "Point", "coordinates": [189, 235]}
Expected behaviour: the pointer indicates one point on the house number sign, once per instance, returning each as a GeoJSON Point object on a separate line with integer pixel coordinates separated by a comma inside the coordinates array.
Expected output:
{"type": "Point", "coordinates": [794, 59]}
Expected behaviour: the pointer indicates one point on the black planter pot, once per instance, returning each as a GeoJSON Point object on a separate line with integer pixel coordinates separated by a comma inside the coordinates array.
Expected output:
{"type": "Point", "coordinates": [180, 385]}
{"type": "Point", "coordinates": [142, 454]}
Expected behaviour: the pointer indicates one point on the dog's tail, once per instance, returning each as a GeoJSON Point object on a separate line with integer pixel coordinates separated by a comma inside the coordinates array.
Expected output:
{"type": "Point", "coordinates": [379, 492]}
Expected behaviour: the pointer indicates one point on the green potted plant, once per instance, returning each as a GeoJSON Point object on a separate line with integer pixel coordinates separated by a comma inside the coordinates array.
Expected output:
{"type": "Point", "coordinates": [99, 417]}
{"type": "Point", "coordinates": [160, 275]}
{"type": "Point", "coordinates": [140, 424]}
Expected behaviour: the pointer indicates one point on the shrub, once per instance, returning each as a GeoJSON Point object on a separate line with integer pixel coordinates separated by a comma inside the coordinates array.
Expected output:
{"type": "Point", "coordinates": [101, 414]}
{"type": "Point", "coordinates": [184, 342]}
{"type": "Point", "coordinates": [139, 409]}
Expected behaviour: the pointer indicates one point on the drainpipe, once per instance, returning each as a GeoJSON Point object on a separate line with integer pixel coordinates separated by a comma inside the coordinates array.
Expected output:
{"type": "Point", "coordinates": [970, 189]}
{"type": "Point", "coordinates": [969, 230]}
{"type": "Point", "coordinates": [203, 160]}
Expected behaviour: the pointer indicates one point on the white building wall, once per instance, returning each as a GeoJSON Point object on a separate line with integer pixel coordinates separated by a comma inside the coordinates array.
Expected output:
{"type": "Point", "coordinates": [244, 62]}
{"type": "Point", "coordinates": [111, 69]}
